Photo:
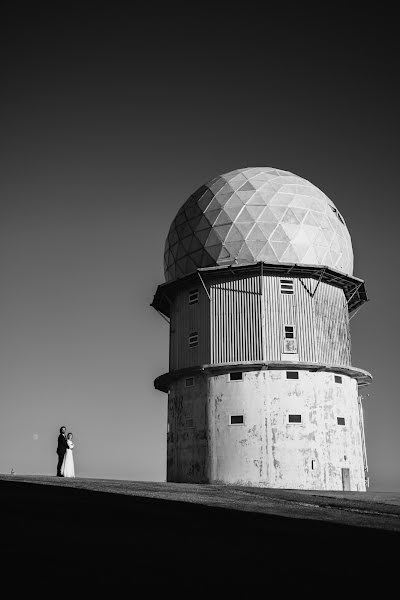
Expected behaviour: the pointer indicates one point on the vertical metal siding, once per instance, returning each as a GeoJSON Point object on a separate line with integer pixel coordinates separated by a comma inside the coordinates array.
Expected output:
{"type": "Point", "coordinates": [247, 313]}
{"type": "Point", "coordinates": [186, 318]}
{"type": "Point", "coordinates": [236, 327]}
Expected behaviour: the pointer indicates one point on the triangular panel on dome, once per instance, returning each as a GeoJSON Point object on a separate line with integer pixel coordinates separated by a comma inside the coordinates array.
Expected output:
{"type": "Point", "coordinates": [174, 249]}
{"type": "Point", "coordinates": [281, 199]}
{"type": "Point", "coordinates": [245, 254]}
{"type": "Point", "coordinates": [318, 205]}
{"type": "Point", "coordinates": [320, 239]}
{"type": "Point", "coordinates": [194, 223]}
{"type": "Point", "coordinates": [256, 234]}
{"type": "Point", "coordinates": [236, 181]}
{"type": "Point", "coordinates": [245, 196]}
{"type": "Point", "coordinates": [233, 247]}
{"type": "Point", "coordinates": [205, 200]}
{"type": "Point", "coordinates": [279, 235]}
{"type": "Point", "coordinates": [290, 255]}
{"type": "Point", "coordinates": [301, 201]}
{"type": "Point", "coordinates": [203, 224]}
{"type": "Point", "coordinates": [255, 246]}
{"type": "Point", "coordinates": [252, 172]}
{"type": "Point", "coordinates": [244, 217]}
{"type": "Point", "coordinates": [244, 228]}
{"type": "Point", "coordinates": [192, 211]}
{"type": "Point", "coordinates": [226, 189]}
{"type": "Point", "coordinates": [246, 187]}
{"type": "Point", "coordinates": [203, 235]}
{"type": "Point", "coordinates": [256, 199]}
{"type": "Point", "coordinates": [212, 215]}
{"type": "Point", "coordinates": [217, 185]}
{"type": "Point", "coordinates": [300, 213]}
{"type": "Point", "coordinates": [222, 231]}
{"type": "Point", "coordinates": [290, 217]}
{"type": "Point", "coordinates": [181, 252]}
{"type": "Point", "coordinates": [267, 192]}
{"type": "Point", "coordinates": [279, 247]}
{"type": "Point", "coordinates": [255, 210]}
{"type": "Point", "coordinates": [197, 257]}
{"type": "Point", "coordinates": [267, 254]}
{"type": "Point", "coordinates": [195, 244]}
{"type": "Point", "coordinates": [233, 211]}
{"type": "Point", "coordinates": [223, 199]}
{"type": "Point", "coordinates": [172, 237]}
{"type": "Point", "coordinates": [310, 257]}
{"type": "Point", "coordinates": [214, 205]}
{"type": "Point", "coordinates": [183, 230]}
{"type": "Point", "coordinates": [214, 251]}
{"type": "Point", "coordinates": [180, 218]}
{"type": "Point", "coordinates": [234, 235]}
{"type": "Point", "coordinates": [266, 228]}
{"type": "Point", "coordinates": [268, 216]}
{"type": "Point", "coordinates": [212, 239]}
{"type": "Point", "coordinates": [291, 229]}
{"type": "Point", "coordinates": [190, 266]}
{"type": "Point", "coordinates": [310, 219]}
{"type": "Point", "coordinates": [300, 247]}
{"type": "Point", "coordinates": [186, 242]}
{"type": "Point", "coordinates": [207, 260]}
{"type": "Point", "coordinates": [278, 211]}
{"type": "Point", "coordinates": [222, 219]}
{"type": "Point", "coordinates": [321, 252]}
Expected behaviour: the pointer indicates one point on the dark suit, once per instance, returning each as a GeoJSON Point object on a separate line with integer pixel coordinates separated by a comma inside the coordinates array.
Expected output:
{"type": "Point", "coordinates": [61, 450]}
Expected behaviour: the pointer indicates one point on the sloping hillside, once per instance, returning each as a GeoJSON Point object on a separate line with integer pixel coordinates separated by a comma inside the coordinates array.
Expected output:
{"type": "Point", "coordinates": [110, 534]}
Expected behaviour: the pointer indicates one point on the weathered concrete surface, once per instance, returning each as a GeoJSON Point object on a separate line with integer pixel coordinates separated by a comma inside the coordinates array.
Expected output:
{"type": "Point", "coordinates": [61, 536]}
{"type": "Point", "coordinates": [266, 450]}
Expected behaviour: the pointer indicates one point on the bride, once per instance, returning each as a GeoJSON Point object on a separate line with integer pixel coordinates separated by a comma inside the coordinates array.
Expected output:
{"type": "Point", "coordinates": [67, 468]}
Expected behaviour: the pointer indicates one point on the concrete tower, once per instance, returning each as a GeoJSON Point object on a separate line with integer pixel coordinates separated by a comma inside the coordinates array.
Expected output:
{"type": "Point", "coordinates": [259, 293]}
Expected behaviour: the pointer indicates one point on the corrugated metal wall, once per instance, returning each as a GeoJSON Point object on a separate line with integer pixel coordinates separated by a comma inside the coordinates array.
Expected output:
{"type": "Point", "coordinates": [244, 320]}
{"type": "Point", "coordinates": [236, 333]}
{"type": "Point", "coordinates": [185, 319]}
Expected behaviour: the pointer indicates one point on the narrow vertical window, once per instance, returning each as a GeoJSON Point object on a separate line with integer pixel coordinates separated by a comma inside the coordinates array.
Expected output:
{"type": "Point", "coordinates": [286, 286]}
{"type": "Point", "coordinates": [289, 332]}
{"type": "Point", "coordinates": [193, 339]}
{"type": "Point", "coordinates": [289, 342]}
{"type": "Point", "coordinates": [193, 296]}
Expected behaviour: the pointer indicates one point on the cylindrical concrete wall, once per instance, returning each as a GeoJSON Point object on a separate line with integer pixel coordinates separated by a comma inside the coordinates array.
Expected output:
{"type": "Point", "coordinates": [274, 428]}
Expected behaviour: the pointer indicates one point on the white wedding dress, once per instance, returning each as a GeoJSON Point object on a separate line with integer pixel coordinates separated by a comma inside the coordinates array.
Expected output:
{"type": "Point", "coordinates": [67, 468]}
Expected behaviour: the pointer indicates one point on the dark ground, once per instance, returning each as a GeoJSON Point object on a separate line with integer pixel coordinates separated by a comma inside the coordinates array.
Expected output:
{"type": "Point", "coordinates": [97, 535]}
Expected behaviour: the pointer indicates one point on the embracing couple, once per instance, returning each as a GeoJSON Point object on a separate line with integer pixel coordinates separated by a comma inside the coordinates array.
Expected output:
{"type": "Point", "coordinates": [65, 465]}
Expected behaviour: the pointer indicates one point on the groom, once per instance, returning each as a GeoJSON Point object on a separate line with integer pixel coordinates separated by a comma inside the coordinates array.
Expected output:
{"type": "Point", "coordinates": [61, 449]}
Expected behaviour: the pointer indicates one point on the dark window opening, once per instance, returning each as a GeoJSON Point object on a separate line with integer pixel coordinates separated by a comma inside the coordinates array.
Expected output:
{"type": "Point", "coordinates": [341, 421]}
{"type": "Point", "coordinates": [193, 296]}
{"type": "Point", "coordinates": [292, 374]}
{"type": "Point", "coordinates": [237, 419]}
{"type": "Point", "coordinates": [193, 339]}
{"type": "Point", "coordinates": [338, 379]}
{"type": "Point", "coordinates": [294, 418]}
{"type": "Point", "coordinates": [189, 423]}
{"type": "Point", "coordinates": [286, 286]}
{"type": "Point", "coordinates": [236, 376]}
{"type": "Point", "coordinates": [289, 332]}
{"type": "Point", "coordinates": [189, 381]}
{"type": "Point", "coordinates": [312, 464]}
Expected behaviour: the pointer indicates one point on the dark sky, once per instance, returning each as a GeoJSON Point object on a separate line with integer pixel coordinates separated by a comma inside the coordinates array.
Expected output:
{"type": "Point", "coordinates": [110, 118]}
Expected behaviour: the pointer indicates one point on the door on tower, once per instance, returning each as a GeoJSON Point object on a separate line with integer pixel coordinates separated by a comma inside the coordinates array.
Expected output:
{"type": "Point", "coordinates": [346, 480]}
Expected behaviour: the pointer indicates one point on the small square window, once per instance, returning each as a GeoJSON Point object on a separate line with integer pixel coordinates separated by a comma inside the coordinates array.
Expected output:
{"type": "Point", "coordinates": [237, 420]}
{"type": "Point", "coordinates": [189, 381]}
{"type": "Point", "coordinates": [289, 332]}
{"type": "Point", "coordinates": [294, 418]}
{"type": "Point", "coordinates": [286, 286]}
{"type": "Point", "coordinates": [338, 379]}
{"type": "Point", "coordinates": [236, 376]}
{"type": "Point", "coordinates": [341, 421]}
{"type": "Point", "coordinates": [292, 374]}
{"type": "Point", "coordinates": [193, 339]}
{"type": "Point", "coordinates": [193, 296]}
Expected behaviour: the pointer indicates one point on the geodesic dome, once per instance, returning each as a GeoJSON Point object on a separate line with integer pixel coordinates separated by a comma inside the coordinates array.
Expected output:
{"type": "Point", "coordinates": [257, 214]}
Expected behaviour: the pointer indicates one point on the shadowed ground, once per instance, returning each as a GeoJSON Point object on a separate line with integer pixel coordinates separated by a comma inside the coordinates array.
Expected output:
{"type": "Point", "coordinates": [105, 534]}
